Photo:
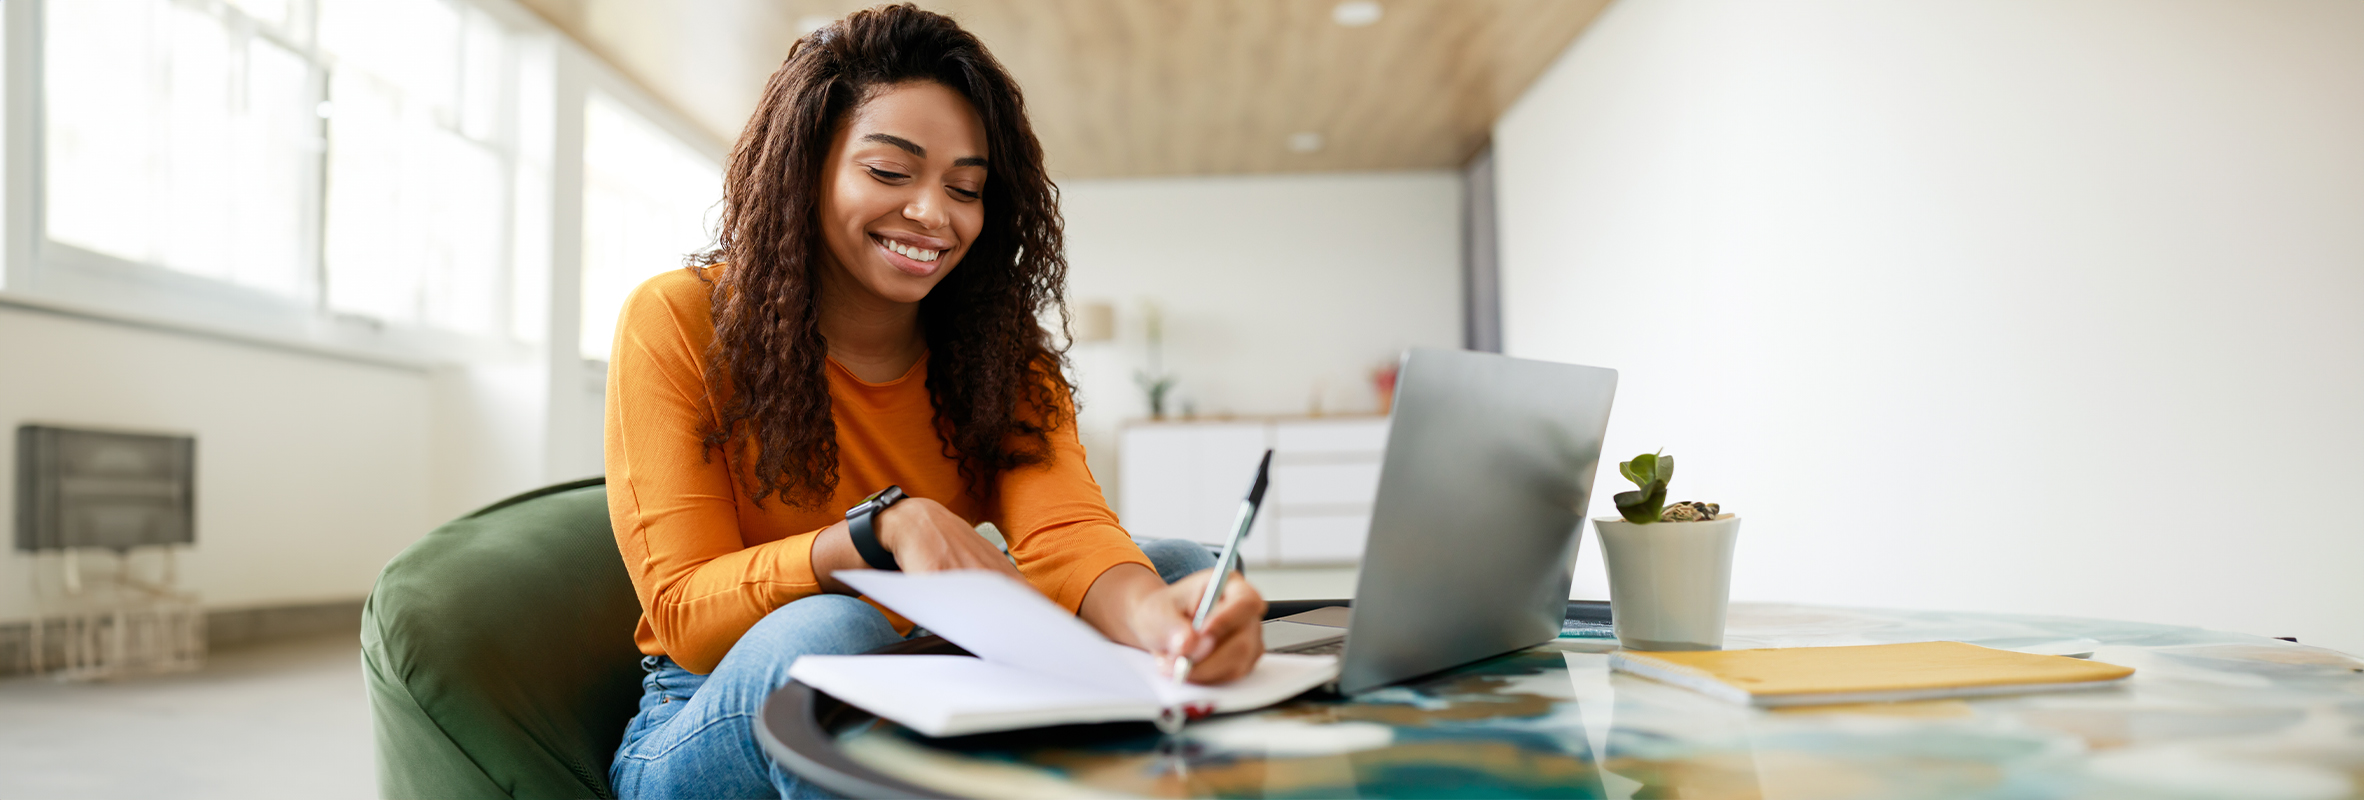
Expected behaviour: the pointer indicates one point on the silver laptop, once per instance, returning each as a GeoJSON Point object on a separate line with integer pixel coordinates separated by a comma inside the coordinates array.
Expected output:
{"type": "Point", "coordinates": [1482, 495]}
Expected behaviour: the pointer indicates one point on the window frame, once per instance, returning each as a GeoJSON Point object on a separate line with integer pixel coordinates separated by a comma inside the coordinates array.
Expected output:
{"type": "Point", "coordinates": [550, 77]}
{"type": "Point", "coordinates": [629, 98]}
{"type": "Point", "coordinates": [45, 274]}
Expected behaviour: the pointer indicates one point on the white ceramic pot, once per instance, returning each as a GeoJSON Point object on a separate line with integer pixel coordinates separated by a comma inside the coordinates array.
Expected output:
{"type": "Point", "coordinates": [1669, 582]}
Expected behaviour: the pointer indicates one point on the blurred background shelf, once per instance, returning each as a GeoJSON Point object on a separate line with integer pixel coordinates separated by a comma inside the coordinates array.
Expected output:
{"type": "Point", "coordinates": [1184, 479]}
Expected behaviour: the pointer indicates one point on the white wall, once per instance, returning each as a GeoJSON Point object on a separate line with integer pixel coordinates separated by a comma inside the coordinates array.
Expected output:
{"type": "Point", "coordinates": [2018, 305]}
{"type": "Point", "coordinates": [314, 469]}
{"type": "Point", "coordinates": [1273, 288]}
{"type": "Point", "coordinates": [311, 471]}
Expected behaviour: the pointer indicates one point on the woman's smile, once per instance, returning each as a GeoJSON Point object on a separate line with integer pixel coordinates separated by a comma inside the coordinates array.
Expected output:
{"type": "Point", "coordinates": [918, 256]}
{"type": "Point", "coordinates": [905, 175]}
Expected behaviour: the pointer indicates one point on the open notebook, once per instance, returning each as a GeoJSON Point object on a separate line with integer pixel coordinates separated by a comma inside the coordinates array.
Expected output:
{"type": "Point", "coordinates": [1035, 664]}
{"type": "Point", "coordinates": [1877, 673]}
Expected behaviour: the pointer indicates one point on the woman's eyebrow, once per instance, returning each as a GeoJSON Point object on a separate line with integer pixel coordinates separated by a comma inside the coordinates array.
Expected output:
{"type": "Point", "coordinates": [898, 141]}
{"type": "Point", "coordinates": [914, 149]}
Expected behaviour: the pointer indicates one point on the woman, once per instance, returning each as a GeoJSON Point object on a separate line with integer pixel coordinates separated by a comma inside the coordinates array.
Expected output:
{"type": "Point", "coordinates": [869, 318]}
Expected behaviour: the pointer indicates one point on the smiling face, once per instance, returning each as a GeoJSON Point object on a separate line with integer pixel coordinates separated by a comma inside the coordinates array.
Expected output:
{"type": "Point", "coordinates": [902, 193]}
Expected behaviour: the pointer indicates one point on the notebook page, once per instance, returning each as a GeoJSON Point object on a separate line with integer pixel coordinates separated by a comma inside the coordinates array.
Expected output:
{"type": "Point", "coordinates": [953, 695]}
{"type": "Point", "coordinates": [1005, 621]}
{"type": "Point", "coordinates": [1277, 677]}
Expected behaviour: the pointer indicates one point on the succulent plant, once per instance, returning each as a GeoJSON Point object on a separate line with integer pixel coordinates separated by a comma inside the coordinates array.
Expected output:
{"type": "Point", "coordinates": [1651, 472]}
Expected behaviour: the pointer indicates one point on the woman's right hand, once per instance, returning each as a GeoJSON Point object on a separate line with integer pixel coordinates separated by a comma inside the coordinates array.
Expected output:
{"type": "Point", "coordinates": [927, 537]}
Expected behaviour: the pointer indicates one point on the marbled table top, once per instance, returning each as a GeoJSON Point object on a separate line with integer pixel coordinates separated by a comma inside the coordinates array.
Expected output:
{"type": "Point", "coordinates": [2206, 715]}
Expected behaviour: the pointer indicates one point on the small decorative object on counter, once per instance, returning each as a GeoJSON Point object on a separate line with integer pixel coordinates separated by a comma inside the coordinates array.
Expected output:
{"type": "Point", "coordinates": [1670, 564]}
{"type": "Point", "coordinates": [1383, 384]}
{"type": "Point", "coordinates": [1156, 388]}
{"type": "Point", "coordinates": [1155, 381]}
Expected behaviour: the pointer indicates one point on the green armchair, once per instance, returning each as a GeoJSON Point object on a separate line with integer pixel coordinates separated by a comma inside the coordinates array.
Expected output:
{"type": "Point", "coordinates": [498, 652]}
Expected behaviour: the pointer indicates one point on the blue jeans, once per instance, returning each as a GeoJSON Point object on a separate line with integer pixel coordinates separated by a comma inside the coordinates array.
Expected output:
{"type": "Point", "coordinates": [695, 734]}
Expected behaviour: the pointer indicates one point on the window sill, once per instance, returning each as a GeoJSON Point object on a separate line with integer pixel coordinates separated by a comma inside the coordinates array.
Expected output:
{"type": "Point", "coordinates": [341, 338]}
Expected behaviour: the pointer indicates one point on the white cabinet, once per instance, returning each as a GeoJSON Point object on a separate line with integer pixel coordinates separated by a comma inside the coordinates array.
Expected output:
{"type": "Point", "coordinates": [1190, 478]}
{"type": "Point", "coordinates": [1185, 480]}
{"type": "Point", "coordinates": [1322, 538]}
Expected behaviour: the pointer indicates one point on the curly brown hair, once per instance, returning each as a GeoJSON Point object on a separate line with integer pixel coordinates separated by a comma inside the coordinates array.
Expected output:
{"type": "Point", "coordinates": [995, 376]}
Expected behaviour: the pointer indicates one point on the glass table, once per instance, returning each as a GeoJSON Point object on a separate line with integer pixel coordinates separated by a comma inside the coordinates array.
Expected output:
{"type": "Point", "coordinates": [2206, 715]}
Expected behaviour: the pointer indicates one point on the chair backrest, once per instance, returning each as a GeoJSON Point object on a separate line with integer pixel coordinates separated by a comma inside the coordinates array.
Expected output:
{"type": "Point", "coordinates": [499, 654]}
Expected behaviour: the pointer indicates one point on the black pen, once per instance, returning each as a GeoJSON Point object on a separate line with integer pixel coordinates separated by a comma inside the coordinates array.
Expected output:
{"type": "Point", "coordinates": [1230, 557]}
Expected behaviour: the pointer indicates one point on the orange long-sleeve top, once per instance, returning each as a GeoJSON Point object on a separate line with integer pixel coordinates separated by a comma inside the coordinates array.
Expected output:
{"type": "Point", "coordinates": [708, 562]}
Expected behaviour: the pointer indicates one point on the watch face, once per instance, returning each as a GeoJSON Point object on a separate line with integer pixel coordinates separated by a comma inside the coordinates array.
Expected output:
{"type": "Point", "coordinates": [862, 506]}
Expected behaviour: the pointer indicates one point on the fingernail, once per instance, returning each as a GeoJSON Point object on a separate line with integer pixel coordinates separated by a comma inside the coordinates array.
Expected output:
{"type": "Point", "coordinates": [1175, 644]}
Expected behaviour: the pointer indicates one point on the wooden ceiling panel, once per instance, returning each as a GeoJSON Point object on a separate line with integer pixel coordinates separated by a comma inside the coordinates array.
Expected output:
{"type": "Point", "coordinates": [1123, 88]}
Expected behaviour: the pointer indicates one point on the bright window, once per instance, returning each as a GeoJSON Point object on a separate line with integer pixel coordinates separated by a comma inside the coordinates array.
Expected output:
{"type": "Point", "coordinates": [264, 165]}
{"type": "Point", "coordinates": [368, 176]}
{"type": "Point", "coordinates": [418, 205]}
{"type": "Point", "coordinates": [648, 202]}
{"type": "Point", "coordinates": [183, 136]}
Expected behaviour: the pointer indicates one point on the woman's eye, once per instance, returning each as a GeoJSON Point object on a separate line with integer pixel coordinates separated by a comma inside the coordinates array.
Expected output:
{"type": "Point", "coordinates": [964, 194]}
{"type": "Point", "coordinates": [885, 175]}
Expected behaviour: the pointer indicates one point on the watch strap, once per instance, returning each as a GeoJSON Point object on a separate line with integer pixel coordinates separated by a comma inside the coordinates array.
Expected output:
{"type": "Point", "coordinates": [862, 528]}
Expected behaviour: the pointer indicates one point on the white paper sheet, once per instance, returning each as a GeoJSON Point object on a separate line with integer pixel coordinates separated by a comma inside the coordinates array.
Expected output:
{"type": "Point", "coordinates": [1036, 664]}
{"type": "Point", "coordinates": [1277, 677]}
{"type": "Point", "coordinates": [953, 695]}
{"type": "Point", "coordinates": [1006, 621]}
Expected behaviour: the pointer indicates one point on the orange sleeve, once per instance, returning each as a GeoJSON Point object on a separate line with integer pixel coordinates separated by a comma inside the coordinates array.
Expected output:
{"type": "Point", "coordinates": [1058, 524]}
{"type": "Point", "coordinates": [671, 499]}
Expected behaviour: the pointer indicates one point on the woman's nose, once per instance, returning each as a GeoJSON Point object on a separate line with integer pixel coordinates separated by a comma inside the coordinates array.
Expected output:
{"type": "Point", "coordinates": [927, 209]}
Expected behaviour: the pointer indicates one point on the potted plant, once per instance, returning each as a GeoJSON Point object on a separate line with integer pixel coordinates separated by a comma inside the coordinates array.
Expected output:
{"type": "Point", "coordinates": [1154, 381]}
{"type": "Point", "coordinates": [1670, 566]}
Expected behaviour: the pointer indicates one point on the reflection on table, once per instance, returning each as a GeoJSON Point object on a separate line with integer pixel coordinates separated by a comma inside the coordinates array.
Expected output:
{"type": "Point", "coordinates": [2207, 715]}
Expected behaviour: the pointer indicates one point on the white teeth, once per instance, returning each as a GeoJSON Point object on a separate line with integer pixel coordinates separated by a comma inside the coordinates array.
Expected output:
{"type": "Point", "coordinates": [913, 253]}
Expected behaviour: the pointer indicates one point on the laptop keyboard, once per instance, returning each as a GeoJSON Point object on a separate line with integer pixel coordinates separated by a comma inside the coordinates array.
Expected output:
{"type": "Point", "coordinates": [1329, 648]}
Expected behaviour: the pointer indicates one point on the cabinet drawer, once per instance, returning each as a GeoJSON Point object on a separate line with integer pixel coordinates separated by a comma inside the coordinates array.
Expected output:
{"type": "Point", "coordinates": [1323, 538]}
{"type": "Point", "coordinates": [1154, 464]}
{"type": "Point", "coordinates": [1330, 436]}
{"type": "Point", "coordinates": [1353, 483]}
{"type": "Point", "coordinates": [1186, 481]}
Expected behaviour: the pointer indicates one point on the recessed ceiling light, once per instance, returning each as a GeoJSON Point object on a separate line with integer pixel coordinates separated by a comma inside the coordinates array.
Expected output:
{"type": "Point", "coordinates": [1356, 13]}
{"type": "Point", "coordinates": [812, 22]}
{"type": "Point", "coordinates": [1305, 142]}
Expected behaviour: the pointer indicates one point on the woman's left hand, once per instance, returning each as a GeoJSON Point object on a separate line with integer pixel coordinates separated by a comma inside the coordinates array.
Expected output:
{"type": "Point", "coordinates": [1225, 650]}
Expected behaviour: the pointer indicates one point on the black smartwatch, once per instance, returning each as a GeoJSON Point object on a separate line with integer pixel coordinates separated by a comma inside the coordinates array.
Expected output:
{"type": "Point", "coordinates": [862, 527]}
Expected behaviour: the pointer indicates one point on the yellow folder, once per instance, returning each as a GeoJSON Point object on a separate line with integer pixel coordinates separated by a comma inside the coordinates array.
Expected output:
{"type": "Point", "coordinates": [1785, 676]}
